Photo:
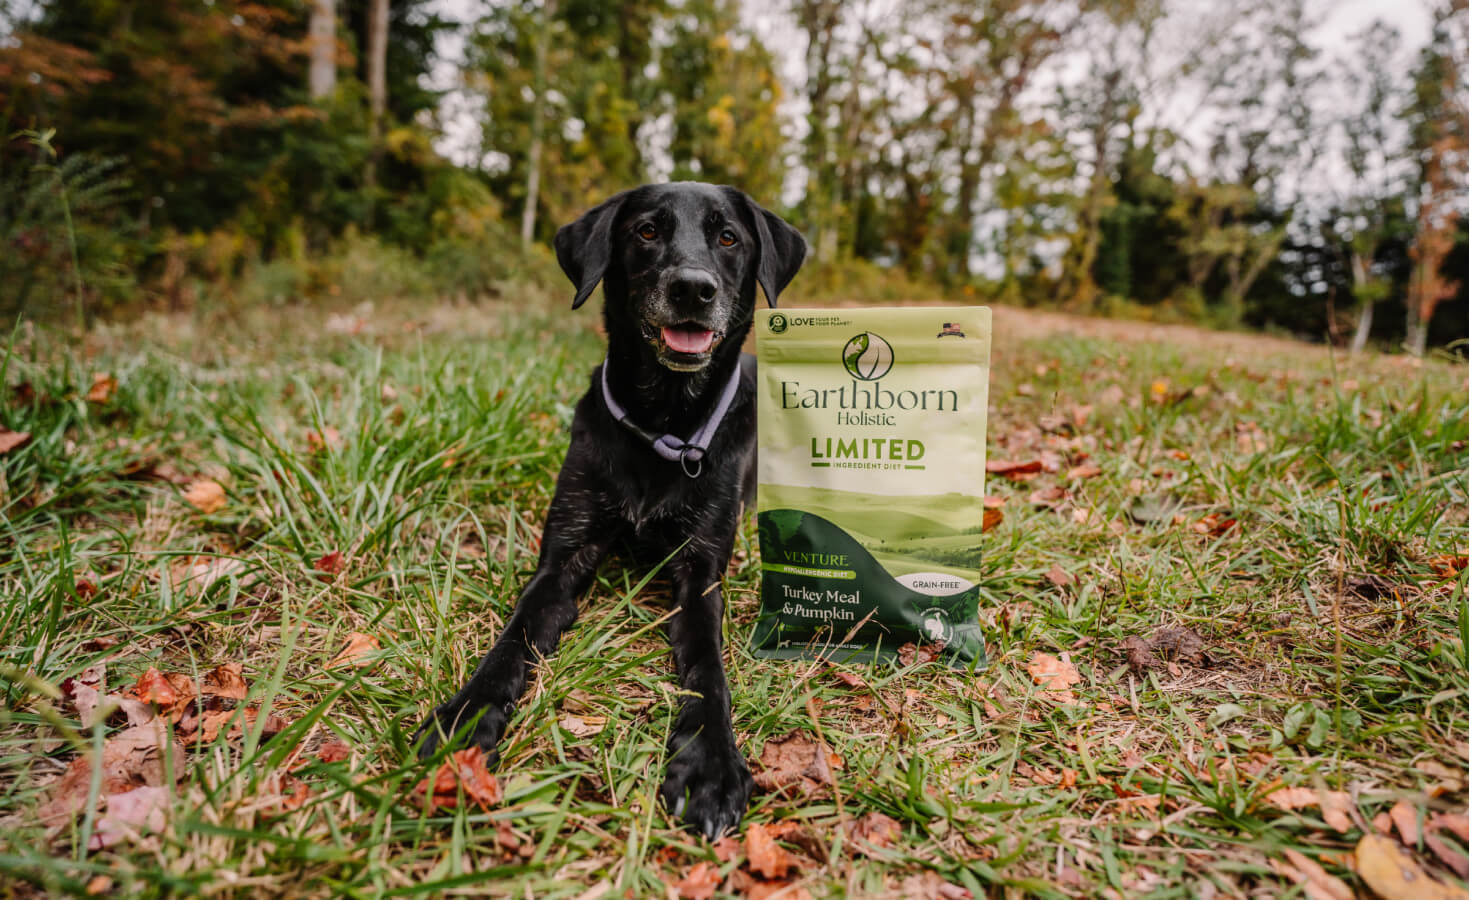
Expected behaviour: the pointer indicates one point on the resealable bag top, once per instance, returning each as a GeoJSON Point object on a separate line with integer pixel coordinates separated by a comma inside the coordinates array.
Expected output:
{"type": "Point", "coordinates": [871, 494]}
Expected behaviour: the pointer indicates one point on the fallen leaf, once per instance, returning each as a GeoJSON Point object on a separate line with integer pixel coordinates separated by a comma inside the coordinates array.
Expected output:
{"type": "Point", "coordinates": [1214, 525]}
{"type": "Point", "coordinates": [205, 495]}
{"type": "Point", "coordinates": [142, 755]}
{"type": "Point", "coordinates": [583, 726]}
{"type": "Point", "coordinates": [776, 890]}
{"type": "Point", "coordinates": [1456, 824]}
{"type": "Point", "coordinates": [334, 750]}
{"type": "Point", "coordinates": [199, 577]}
{"type": "Point", "coordinates": [1404, 816]}
{"type": "Point", "coordinates": [929, 885]}
{"type": "Point", "coordinates": [1084, 471]}
{"type": "Point", "coordinates": [1446, 566]}
{"type": "Point", "coordinates": [102, 389]}
{"type": "Point", "coordinates": [1049, 497]}
{"type": "Point", "coordinates": [850, 679]}
{"type": "Point", "coordinates": [911, 654]}
{"type": "Point", "coordinates": [1059, 576]}
{"type": "Point", "coordinates": [1449, 779]}
{"type": "Point", "coordinates": [767, 858]}
{"type": "Point", "coordinates": [1165, 644]}
{"type": "Point", "coordinates": [226, 682]}
{"type": "Point", "coordinates": [331, 564]}
{"type": "Point", "coordinates": [699, 883]}
{"type": "Point", "coordinates": [874, 831]}
{"type": "Point", "coordinates": [326, 439]}
{"type": "Point", "coordinates": [98, 884]}
{"type": "Point", "coordinates": [1014, 469]}
{"type": "Point", "coordinates": [358, 646]}
{"type": "Point", "coordinates": [11, 440]}
{"type": "Point", "coordinates": [1393, 874]}
{"type": "Point", "coordinates": [466, 770]}
{"type": "Point", "coordinates": [1055, 676]}
{"type": "Point", "coordinates": [794, 764]}
{"type": "Point", "coordinates": [153, 687]}
{"type": "Point", "coordinates": [1335, 805]}
{"type": "Point", "coordinates": [1316, 883]}
{"type": "Point", "coordinates": [726, 849]}
{"type": "Point", "coordinates": [131, 813]}
{"type": "Point", "coordinates": [990, 519]}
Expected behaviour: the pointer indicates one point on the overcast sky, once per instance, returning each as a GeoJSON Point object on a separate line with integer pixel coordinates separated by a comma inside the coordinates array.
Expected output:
{"type": "Point", "coordinates": [1339, 19]}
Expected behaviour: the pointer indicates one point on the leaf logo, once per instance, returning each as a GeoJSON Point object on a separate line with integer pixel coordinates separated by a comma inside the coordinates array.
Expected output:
{"type": "Point", "coordinates": [867, 356]}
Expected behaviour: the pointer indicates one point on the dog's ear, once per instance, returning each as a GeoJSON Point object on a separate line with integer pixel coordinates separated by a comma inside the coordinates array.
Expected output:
{"type": "Point", "coordinates": [584, 247]}
{"type": "Point", "coordinates": [782, 250]}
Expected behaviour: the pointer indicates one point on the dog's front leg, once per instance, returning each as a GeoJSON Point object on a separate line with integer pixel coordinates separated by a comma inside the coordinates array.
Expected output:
{"type": "Point", "coordinates": [708, 783]}
{"type": "Point", "coordinates": [572, 545]}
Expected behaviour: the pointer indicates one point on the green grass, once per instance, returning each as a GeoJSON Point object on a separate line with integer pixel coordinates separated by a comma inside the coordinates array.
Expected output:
{"type": "Point", "coordinates": [452, 424]}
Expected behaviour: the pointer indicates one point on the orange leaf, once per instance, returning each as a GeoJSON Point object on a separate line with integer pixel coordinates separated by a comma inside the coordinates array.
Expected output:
{"type": "Point", "coordinates": [1052, 673]}
{"type": "Point", "coordinates": [153, 687]}
{"type": "Point", "coordinates": [699, 883]}
{"type": "Point", "coordinates": [10, 440]}
{"type": "Point", "coordinates": [767, 858]}
{"type": "Point", "coordinates": [464, 769]}
{"type": "Point", "coordinates": [1087, 470]}
{"type": "Point", "coordinates": [102, 389]}
{"type": "Point", "coordinates": [332, 563]}
{"type": "Point", "coordinates": [327, 439]}
{"type": "Point", "coordinates": [227, 681]}
{"type": "Point", "coordinates": [1013, 469]}
{"type": "Point", "coordinates": [205, 495]}
{"type": "Point", "coordinates": [358, 646]}
{"type": "Point", "coordinates": [992, 517]}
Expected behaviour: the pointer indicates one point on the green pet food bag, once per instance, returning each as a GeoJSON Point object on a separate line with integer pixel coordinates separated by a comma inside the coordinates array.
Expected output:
{"type": "Point", "coordinates": [871, 498]}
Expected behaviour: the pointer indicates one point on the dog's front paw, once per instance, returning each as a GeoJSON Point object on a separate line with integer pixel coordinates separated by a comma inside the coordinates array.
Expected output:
{"type": "Point", "coordinates": [708, 784]}
{"type": "Point", "coordinates": [451, 717]}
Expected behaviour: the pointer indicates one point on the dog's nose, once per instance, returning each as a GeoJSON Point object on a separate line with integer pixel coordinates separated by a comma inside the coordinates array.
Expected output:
{"type": "Point", "coordinates": [690, 285]}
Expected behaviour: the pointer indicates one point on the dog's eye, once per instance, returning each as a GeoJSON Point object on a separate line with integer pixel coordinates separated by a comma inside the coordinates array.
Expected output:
{"type": "Point", "coordinates": [647, 232]}
{"type": "Point", "coordinates": [726, 238]}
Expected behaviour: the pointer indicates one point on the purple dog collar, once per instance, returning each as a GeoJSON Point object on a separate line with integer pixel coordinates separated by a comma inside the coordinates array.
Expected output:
{"type": "Point", "coordinates": [669, 446]}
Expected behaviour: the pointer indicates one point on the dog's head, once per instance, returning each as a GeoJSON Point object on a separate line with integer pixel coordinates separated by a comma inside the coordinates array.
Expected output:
{"type": "Point", "coordinates": [680, 263]}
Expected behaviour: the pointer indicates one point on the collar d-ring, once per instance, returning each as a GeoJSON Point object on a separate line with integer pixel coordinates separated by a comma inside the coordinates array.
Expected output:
{"type": "Point", "coordinates": [683, 460]}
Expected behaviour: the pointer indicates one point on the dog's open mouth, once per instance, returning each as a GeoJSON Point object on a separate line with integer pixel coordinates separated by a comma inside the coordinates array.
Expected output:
{"type": "Point", "coordinates": [685, 346]}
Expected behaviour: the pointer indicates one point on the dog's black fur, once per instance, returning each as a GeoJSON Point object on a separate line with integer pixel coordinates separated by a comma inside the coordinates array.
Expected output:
{"type": "Point", "coordinates": [667, 255]}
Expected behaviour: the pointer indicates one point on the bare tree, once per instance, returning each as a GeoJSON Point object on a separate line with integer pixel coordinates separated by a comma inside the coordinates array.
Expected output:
{"type": "Point", "coordinates": [377, 83]}
{"type": "Point", "coordinates": [323, 41]}
{"type": "Point", "coordinates": [537, 126]}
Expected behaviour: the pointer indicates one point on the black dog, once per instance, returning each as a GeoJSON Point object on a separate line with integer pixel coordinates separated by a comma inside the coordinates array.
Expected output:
{"type": "Point", "coordinates": [661, 461]}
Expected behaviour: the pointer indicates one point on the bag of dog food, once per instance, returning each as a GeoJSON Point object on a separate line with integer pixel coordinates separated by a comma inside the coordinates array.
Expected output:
{"type": "Point", "coordinates": [871, 493]}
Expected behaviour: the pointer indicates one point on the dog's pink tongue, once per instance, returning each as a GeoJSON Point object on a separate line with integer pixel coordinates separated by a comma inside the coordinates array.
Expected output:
{"type": "Point", "coordinates": [688, 340]}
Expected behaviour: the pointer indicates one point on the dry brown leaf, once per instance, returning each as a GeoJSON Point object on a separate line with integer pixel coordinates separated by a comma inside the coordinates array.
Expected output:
{"type": "Point", "coordinates": [153, 687]}
{"type": "Point", "coordinates": [990, 518]}
{"type": "Point", "coordinates": [1214, 525]}
{"type": "Point", "coordinates": [137, 756]}
{"type": "Point", "coordinates": [1049, 497]}
{"type": "Point", "coordinates": [1083, 471]}
{"type": "Point", "coordinates": [776, 890]}
{"type": "Point", "coordinates": [726, 848]}
{"type": "Point", "coordinates": [1014, 469]}
{"type": "Point", "coordinates": [332, 564]}
{"type": "Point", "coordinates": [1316, 883]}
{"type": "Point", "coordinates": [326, 439]}
{"type": "Point", "coordinates": [1449, 779]}
{"type": "Point", "coordinates": [929, 885]}
{"type": "Point", "coordinates": [1404, 816]}
{"type": "Point", "coordinates": [850, 679]}
{"type": "Point", "coordinates": [226, 682]}
{"type": "Point", "coordinates": [12, 440]}
{"type": "Point", "coordinates": [205, 495]}
{"type": "Point", "coordinates": [464, 769]}
{"type": "Point", "coordinates": [583, 726]}
{"type": "Point", "coordinates": [334, 750]}
{"type": "Point", "coordinates": [131, 813]}
{"type": "Point", "coordinates": [911, 654]}
{"type": "Point", "coordinates": [767, 858]}
{"type": "Point", "coordinates": [1059, 576]}
{"type": "Point", "coordinates": [1165, 645]}
{"type": "Point", "coordinates": [354, 654]}
{"type": "Point", "coordinates": [1336, 806]}
{"type": "Point", "coordinates": [1457, 825]}
{"type": "Point", "coordinates": [874, 831]}
{"type": "Point", "coordinates": [102, 389]}
{"type": "Point", "coordinates": [1393, 874]}
{"type": "Point", "coordinates": [794, 764]}
{"type": "Point", "coordinates": [1055, 676]}
{"type": "Point", "coordinates": [1446, 566]}
{"type": "Point", "coordinates": [699, 883]}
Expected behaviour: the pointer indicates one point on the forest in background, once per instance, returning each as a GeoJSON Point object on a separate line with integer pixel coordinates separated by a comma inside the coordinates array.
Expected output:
{"type": "Point", "coordinates": [196, 153]}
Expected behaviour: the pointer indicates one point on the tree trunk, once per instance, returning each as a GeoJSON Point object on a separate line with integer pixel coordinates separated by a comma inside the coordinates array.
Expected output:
{"type": "Point", "coordinates": [1369, 307]}
{"type": "Point", "coordinates": [323, 42]}
{"type": "Point", "coordinates": [377, 89]}
{"type": "Point", "coordinates": [537, 128]}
